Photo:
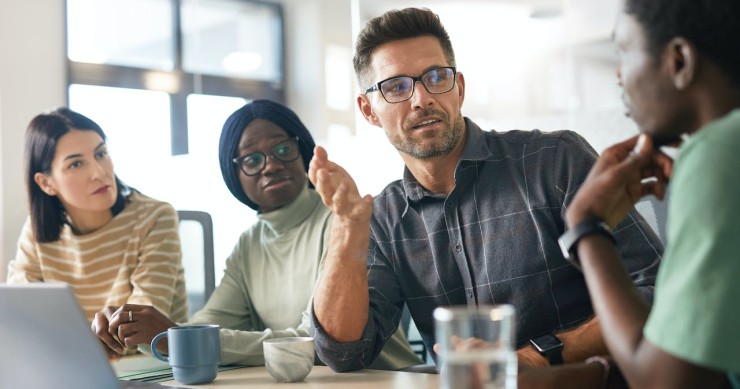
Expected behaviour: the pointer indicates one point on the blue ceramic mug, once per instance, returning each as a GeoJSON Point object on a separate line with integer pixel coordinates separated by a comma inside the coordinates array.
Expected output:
{"type": "Point", "coordinates": [194, 352]}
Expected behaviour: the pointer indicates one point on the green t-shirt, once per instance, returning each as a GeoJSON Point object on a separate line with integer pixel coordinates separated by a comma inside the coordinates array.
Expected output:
{"type": "Point", "coordinates": [695, 313]}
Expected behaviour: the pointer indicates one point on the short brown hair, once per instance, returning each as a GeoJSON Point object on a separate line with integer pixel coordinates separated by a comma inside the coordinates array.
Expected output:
{"type": "Point", "coordinates": [395, 25]}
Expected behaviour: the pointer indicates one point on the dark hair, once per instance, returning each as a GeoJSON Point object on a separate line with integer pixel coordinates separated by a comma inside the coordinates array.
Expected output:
{"type": "Point", "coordinates": [711, 25]}
{"type": "Point", "coordinates": [232, 131]}
{"type": "Point", "coordinates": [395, 25]}
{"type": "Point", "coordinates": [43, 133]}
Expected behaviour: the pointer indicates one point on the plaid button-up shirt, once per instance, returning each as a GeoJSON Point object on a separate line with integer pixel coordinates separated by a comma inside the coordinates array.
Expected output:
{"type": "Point", "coordinates": [492, 240]}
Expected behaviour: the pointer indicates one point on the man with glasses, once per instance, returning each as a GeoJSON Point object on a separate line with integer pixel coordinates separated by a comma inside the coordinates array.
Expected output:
{"type": "Point", "coordinates": [475, 219]}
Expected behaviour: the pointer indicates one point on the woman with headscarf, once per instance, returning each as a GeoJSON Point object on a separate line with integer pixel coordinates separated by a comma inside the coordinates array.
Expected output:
{"type": "Point", "coordinates": [266, 290]}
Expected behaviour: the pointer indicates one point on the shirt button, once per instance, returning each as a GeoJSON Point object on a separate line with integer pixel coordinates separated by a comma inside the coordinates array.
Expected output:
{"type": "Point", "coordinates": [458, 247]}
{"type": "Point", "coordinates": [450, 204]}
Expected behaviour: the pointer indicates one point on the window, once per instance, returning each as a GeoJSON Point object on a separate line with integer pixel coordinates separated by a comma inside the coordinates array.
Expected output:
{"type": "Point", "coordinates": [232, 39]}
{"type": "Point", "coordinates": [161, 77]}
{"type": "Point", "coordinates": [179, 47]}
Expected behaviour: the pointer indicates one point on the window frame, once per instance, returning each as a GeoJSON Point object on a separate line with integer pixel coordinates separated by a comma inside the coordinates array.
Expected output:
{"type": "Point", "coordinates": [188, 83]}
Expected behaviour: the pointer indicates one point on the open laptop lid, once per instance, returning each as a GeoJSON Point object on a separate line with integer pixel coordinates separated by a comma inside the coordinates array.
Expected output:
{"type": "Point", "coordinates": [46, 341]}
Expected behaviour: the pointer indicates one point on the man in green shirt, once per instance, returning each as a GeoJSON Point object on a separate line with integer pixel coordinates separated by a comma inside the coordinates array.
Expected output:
{"type": "Point", "coordinates": [680, 72]}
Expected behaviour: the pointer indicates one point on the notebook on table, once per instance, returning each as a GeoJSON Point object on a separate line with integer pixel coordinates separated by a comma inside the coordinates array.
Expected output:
{"type": "Point", "coordinates": [46, 342]}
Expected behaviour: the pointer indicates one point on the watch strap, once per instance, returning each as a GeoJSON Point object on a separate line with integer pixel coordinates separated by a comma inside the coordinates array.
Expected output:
{"type": "Point", "coordinates": [569, 240]}
{"type": "Point", "coordinates": [555, 356]}
{"type": "Point", "coordinates": [550, 347]}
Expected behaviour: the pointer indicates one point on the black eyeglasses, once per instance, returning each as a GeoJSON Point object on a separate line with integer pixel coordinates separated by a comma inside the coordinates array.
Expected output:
{"type": "Point", "coordinates": [399, 89]}
{"type": "Point", "coordinates": [252, 164]}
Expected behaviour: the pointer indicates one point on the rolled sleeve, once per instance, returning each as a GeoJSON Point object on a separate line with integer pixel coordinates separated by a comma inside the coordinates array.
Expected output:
{"type": "Point", "coordinates": [344, 357]}
{"type": "Point", "coordinates": [384, 316]}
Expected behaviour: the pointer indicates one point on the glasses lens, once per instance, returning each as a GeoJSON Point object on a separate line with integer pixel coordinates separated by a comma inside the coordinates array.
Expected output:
{"type": "Point", "coordinates": [439, 80]}
{"type": "Point", "coordinates": [253, 163]}
{"type": "Point", "coordinates": [286, 151]}
{"type": "Point", "coordinates": [397, 89]}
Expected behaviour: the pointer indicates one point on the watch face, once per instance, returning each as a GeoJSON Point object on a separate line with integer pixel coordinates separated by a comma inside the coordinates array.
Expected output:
{"type": "Point", "coordinates": [564, 247]}
{"type": "Point", "coordinates": [546, 342]}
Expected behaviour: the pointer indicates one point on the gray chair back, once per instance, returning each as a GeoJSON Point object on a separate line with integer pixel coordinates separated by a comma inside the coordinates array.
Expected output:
{"type": "Point", "coordinates": [196, 240]}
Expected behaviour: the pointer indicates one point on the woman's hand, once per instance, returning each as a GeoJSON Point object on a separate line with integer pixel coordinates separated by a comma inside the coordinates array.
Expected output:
{"type": "Point", "coordinates": [100, 325]}
{"type": "Point", "coordinates": [130, 325]}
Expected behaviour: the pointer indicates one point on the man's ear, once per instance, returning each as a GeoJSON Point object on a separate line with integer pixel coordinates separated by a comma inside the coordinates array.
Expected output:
{"type": "Point", "coordinates": [682, 60]}
{"type": "Point", "coordinates": [363, 102]}
{"type": "Point", "coordinates": [44, 182]}
{"type": "Point", "coordinates": [461, 87]}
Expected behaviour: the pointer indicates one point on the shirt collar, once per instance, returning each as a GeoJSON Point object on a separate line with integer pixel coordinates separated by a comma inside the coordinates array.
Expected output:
{"type": "Point", "coordinates": [475, 149]}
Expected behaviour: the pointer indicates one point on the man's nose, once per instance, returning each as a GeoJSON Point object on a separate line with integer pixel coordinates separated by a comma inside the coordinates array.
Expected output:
{"type": "Point", "coordinates": [421, 97]}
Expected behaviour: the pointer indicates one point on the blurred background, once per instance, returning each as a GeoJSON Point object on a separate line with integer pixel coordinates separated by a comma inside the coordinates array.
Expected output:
{"type": "Point", "coordinates": [161, 76]}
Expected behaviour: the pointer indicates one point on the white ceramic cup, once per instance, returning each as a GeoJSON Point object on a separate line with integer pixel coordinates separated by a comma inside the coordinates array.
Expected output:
{"type": "Point", "coordinates": [289, 359]}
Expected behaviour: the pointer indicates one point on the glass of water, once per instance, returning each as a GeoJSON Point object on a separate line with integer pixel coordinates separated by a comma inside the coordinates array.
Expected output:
{"type": "Point", "coordinates": [477, 348]}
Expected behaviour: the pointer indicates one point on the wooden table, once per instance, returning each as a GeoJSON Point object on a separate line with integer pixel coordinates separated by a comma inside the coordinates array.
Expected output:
{"type": "Point", "coordinates": [320, 377]}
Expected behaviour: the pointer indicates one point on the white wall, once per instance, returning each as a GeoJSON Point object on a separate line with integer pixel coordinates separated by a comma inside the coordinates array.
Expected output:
{"type": "Point", "coordinates": [32, 79]}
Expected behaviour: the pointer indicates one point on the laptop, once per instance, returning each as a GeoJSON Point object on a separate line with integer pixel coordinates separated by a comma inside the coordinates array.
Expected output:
{"type": "Point", "coordinates": [46, 342]}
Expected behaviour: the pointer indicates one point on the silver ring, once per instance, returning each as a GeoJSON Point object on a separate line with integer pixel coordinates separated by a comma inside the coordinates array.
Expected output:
{"type": "Point", "coordinates": [130, 316]}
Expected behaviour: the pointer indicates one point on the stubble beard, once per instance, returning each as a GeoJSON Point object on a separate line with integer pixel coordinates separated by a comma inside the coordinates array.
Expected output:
{"type": "Point", "coordinates": [436, 148]}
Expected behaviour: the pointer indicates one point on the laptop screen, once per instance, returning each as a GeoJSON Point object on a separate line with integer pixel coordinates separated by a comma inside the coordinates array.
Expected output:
{"type": "Point", "coordinates": [47, 342]}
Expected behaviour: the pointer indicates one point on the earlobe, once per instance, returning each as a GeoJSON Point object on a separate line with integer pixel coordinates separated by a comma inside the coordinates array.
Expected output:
{"type": "Point", "coordinates": [43, 182]}
{"type": "Point", "coordinates": [683, 62]}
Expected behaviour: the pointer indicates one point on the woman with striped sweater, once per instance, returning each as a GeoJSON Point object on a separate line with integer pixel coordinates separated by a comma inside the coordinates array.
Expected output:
{"type": "Point", "coordinates": [112, 244]}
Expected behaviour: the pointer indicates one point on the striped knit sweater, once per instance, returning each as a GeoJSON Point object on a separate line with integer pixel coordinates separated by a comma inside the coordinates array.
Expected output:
{"type": "Point", "coordinates": [135, 258]}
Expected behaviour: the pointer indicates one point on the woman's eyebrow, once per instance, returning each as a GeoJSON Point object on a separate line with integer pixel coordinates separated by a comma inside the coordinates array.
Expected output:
{"type": "Point", "coordinates": [248, 145]}
{"type": "Point", "coordinates": [72, 156]}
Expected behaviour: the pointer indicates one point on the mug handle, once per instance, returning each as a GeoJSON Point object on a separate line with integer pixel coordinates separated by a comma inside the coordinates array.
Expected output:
{"type": "Point", "coordinates": [155, 352]}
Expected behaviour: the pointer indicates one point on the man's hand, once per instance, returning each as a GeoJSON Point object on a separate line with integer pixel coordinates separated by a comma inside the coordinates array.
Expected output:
{"type": "Point", "coordinates": [615, 183]}
{"type": "Point", "coordinates": [460, 345]}
{"type": "Point", "coordinates": [570, 376]}
{"type": "Point", "coordinates": [338, 190]}
{"type": "Point", "coordinates": [479, 373]}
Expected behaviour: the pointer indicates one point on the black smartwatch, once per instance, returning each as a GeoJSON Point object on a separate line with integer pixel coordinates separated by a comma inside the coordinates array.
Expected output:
{"type": "Point", "coordinates": [569, 240]}
{"type": "Point", "coordinates": [550, 347]}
